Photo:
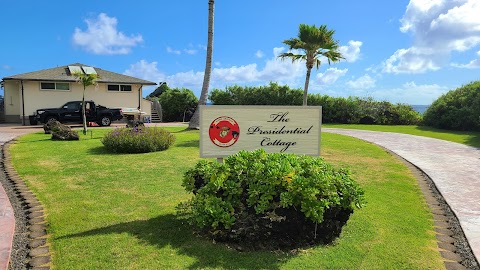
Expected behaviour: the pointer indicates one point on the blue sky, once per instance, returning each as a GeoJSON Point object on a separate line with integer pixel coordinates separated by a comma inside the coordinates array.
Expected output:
{"type": "Point", "coordinates": [399, 51]}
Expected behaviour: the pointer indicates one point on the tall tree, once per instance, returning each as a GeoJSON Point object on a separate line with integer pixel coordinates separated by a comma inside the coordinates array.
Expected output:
{"type": "Point", "coordinates": [315, 43]}
{"type": "Point", "coordinates": [159, 90]}
{"type": "Point", "coordinates": [86, 80]}
{"type": "Point", "coordinates": [195, 120]}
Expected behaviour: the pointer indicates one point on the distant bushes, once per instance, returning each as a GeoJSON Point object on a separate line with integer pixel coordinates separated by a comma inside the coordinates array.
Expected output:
{"type": "Point", "coordinates": [178, 105]}
{"type": "Point", "coordinates": [456, 110]}
{"type": "Point", "coordinates": [138, 140]}
{"type": "Point", "coordinates": [352, 110]}
{"type": "Point", "coordinates": [272, 200]}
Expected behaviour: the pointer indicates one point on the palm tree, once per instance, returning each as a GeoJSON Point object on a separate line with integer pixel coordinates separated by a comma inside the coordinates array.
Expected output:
{"type": "Point", "coordinates": [86, 80]}
{"type": "Point", "coordinates": [315, 43]}
{"type": "Point", "coordinates": [195, 120]}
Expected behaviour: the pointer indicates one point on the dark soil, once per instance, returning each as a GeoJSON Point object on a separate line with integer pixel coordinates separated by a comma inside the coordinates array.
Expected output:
{"type": "Point", "coordinates": [287, 231]}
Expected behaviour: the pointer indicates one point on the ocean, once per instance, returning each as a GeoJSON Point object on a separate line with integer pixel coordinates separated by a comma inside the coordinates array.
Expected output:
{"type": "Point", "coordinates": [420, 108]}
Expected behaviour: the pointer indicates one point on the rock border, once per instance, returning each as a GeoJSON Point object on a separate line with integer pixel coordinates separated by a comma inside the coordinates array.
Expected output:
{"type": "Point", "coordinates": [36, 238]}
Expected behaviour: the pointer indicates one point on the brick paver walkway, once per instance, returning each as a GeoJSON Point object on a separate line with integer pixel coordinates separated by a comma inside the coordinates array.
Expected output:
{"type": "Point", "coordinates": [453, 167]}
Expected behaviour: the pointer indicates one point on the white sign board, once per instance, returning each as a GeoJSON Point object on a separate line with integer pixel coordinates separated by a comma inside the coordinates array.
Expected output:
{"type": "Point", "coordinates": [225, 130]}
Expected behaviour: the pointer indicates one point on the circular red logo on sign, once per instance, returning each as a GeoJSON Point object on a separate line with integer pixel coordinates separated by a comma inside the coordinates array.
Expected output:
{"type": "Point", "coordinates": [224, 131]}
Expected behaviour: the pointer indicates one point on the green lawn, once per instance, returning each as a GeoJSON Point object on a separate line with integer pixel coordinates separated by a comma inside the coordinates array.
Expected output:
{"type": "Point", "coordinates": [471, 138]}
{"type": "Point", "coordinates": [117, 211]}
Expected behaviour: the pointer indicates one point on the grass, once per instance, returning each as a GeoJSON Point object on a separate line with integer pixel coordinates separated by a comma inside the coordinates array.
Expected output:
{"type": "Point", "coordinates": [470, 138]}
{"type": "Point", "coordinates": [117, 211]}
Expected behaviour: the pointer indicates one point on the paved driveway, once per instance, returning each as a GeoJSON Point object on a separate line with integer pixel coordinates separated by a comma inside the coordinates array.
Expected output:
{"type": "Point", "coordinates": [453, 167]}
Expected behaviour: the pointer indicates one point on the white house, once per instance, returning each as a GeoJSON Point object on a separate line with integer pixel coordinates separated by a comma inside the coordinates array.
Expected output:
{"type": "Point", "coordinates": [51, 88]}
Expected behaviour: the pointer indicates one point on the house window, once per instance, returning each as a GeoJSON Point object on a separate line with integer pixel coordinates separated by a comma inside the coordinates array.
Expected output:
{"type": "Point", "coordinates": [119, 88]}
{"type": "Point", "coordinates": [60, 86]}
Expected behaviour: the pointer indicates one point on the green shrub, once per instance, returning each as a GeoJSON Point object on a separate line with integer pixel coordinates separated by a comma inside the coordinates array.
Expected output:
{"type": "Point", "coordinates": [259, 197]}
{"type": "Point", "coordinates": [457, 110]}
{"type": "Point", "coordinates": [178, 105]}
{"type": "Point", "coordinates": [138, 140]}
{"type": "Point", "coordinates": [351, 110]}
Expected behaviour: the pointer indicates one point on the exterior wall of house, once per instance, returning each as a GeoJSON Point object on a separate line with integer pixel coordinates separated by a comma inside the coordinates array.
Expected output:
{"type": "Point", "coordinates": [36, 98]}
{"type": "Point", "coordinates": [147, 108]}
{"type": "Point", "coordinates": [12, 101]}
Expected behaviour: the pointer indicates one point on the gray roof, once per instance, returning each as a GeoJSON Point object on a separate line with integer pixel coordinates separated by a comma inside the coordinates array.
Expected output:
{"type": "Point", "coordinates": [62, 73]}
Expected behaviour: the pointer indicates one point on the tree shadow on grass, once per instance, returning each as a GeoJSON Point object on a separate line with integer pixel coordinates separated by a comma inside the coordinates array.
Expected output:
{"type": "Point", "coordinates": [168, 230]}
{"type": "Point", "coordinates": [192, 143]}
{"type": "Point", "coordinates": [184, 130]}
{"type": "Point", "coordinates": [100, 150]}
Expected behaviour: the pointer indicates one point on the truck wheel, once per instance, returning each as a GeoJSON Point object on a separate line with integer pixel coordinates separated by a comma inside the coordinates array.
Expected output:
{"type": "Point", "coordinates": [105, 121]}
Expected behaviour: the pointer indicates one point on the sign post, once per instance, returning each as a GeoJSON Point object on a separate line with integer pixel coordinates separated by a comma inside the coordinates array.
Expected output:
{"type": "Point", "coordinates": [225, 130]}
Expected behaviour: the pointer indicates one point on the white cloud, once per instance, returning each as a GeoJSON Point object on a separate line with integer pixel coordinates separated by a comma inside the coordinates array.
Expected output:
{"type": "Point", "coordinates": [274, 70]}
{"type": "Point", "coordinates": [247, 73]}
{"type": "Point", "coordinates": [146, 71]}
{"type": "Point", "coordinates": [259, 54]}
{"type": "Point", "coordinates": [415, 60]}
{"type": "Point", "coordinates": [102, 37]}
{"type": "Point", "coordinates": [364, 82]}
{"type": "Point", "coordinates": [438, 28]}
{"type": "Point", "coordinates": [411, 93]}
{"type": "Point", "coordinates": [171, 50]}
{"type": "Point", "coordinates": [278, 50]}
{"type": "Point", "coordinates": [190, 79]}
{"type": "Point", "coordinates": [330, 76]}
{"type": "Point", "coordinates": [352, 51]}
{"type": "Point", "coordinates": [190, 51]}
{"type": "Point", "coordinates": [475, 63]}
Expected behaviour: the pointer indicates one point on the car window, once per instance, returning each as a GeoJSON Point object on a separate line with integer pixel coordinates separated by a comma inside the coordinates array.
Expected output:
{"type": "Point", "coordinates": [73, 105]}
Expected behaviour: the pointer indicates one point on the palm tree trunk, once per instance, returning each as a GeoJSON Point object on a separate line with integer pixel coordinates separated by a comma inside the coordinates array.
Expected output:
{"type": "Point", "coordinates": [195, 120]}
{"type": "Point", "coordinates": [83, 113]}
{"type": "Point", "coordinates": [305, 90]}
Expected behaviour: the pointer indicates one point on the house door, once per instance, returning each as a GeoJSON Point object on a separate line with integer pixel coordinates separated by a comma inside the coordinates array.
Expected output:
{"type": "Point", "coordinates": [2, 111]}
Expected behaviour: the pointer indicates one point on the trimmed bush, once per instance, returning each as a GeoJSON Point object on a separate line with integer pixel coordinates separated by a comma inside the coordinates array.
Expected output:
{"type": "Point", "coordinates": [351, 110]}
{"type": "Point", "coordinates": [270, 200]}
{"type": "Point", "coordinates": [138, 140]}
{"type": "Point", "coordinates": [456, 110]}
{"type": "Point", "coordinates": [178, 104]}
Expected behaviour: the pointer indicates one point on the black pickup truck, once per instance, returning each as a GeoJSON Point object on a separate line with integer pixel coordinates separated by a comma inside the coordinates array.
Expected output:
{"type": "Point", "coordinates": [72, 112]}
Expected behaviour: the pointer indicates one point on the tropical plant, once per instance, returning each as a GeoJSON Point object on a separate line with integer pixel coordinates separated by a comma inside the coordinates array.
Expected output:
{"type": "Point", "coordinates": [458, 109]}
{"type": "Point", "coordinates": [315, 43]}
{"type": "Point", "coordinates": [351, 110]}
{"type": "Point", "coordinates": [86, 80]}
{"type": "Point", "coordinates": [255, 197]}
{"type": "Point", "coordinates": [178, 104]}
{"type": "Point", "coordinates": [195, 120]}
{"type": "Point", "coordinates": [158, 91]}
